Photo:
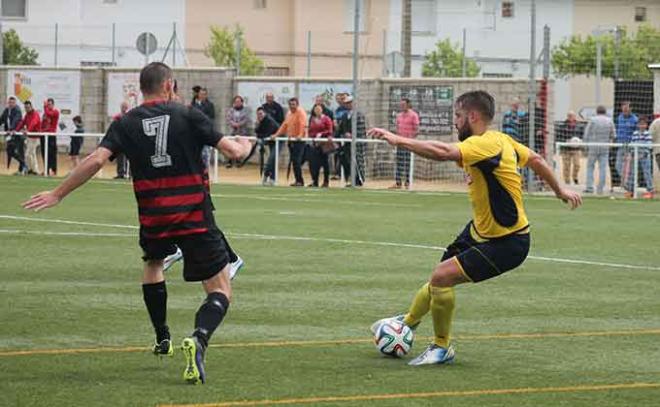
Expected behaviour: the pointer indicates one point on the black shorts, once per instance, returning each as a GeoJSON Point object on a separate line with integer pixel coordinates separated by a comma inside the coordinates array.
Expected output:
{"type": "Point", "coordinates": [480, 261]}
{"type": "Point", "coordinates": [204, 254]}
{"type": "Point", "coordinates": [76, 143]}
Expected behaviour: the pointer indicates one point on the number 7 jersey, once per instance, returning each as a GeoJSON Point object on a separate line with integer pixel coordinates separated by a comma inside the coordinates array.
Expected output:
{"type": "Point", "coordinates": [163, 142]}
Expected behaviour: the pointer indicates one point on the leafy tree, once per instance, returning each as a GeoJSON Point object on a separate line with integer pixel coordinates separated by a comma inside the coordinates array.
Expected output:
{"type": "Point", "coordinates": [14, 52]}
{"type": "Point", "coordinates": [447, 61]}
{"type": "Point", "coordinates": [222, 48]}
{"type": "Point", "coordinates": [577, 55]}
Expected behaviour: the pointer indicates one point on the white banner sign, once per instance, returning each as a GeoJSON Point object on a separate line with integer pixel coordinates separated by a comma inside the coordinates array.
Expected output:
{"type": "Point", "coordinates": [39, 85]}
{"type": "Point", "coordinates": [307, 93]}
{"type": "Point", "coordinates": [254, 93]}
{"type": "Point", "coordinates": [123, 87]}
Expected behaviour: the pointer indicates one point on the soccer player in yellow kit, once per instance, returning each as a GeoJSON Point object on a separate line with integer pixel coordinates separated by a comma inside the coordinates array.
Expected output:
{"type": "Point", "coordinates": [497, 239]}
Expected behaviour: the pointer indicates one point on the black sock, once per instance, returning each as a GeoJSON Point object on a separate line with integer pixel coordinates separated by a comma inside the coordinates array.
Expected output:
{"type": "Point", "coordinates": [155, 298]}
{"type": "Point", "coordinates": [209, 316]}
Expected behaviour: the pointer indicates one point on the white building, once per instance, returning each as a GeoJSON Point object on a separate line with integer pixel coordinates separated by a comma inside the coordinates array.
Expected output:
{"type": "Point", "coordinates": [497, 34]}
{"type": "Point", "coordinates": [80, 32]}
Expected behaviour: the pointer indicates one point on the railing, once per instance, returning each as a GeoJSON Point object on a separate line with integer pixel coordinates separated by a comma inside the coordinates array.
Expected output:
{"type": "Point", "coordinates": [215, 172]}
{"type": "Point", "coordinates": [635, 147]}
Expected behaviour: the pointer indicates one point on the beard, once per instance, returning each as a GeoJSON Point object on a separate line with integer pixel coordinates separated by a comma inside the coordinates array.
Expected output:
{"type": "Point", "coordinates": [464, 132]}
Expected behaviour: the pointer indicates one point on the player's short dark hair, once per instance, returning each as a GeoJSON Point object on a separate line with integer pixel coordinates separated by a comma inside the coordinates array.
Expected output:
{"type": "Point", "coordinates": [294, 99]}
{"type": "Point", "coordinates": [12, 98]}
{"type": "Point", "coordinates": [625, 102]}
{"type": "Point", "coordinates": [152, 77]}
{"type": "Point", "coordinates": [480, 101]}
{"type": "Point", "coordinates": [407, 100]}
{"type": "Point", "coordinates": [238, 97]}
{"type": "Point", "coordinates": [51, 100]}
{"type": "Point", "coordinates": [601, 109]}
{"type": "Point", "coordinates": [643, 119]}
{"type": "Point", "coordinates": [260, 108]}
{"type": "Point", "coordinates": [77, 119]}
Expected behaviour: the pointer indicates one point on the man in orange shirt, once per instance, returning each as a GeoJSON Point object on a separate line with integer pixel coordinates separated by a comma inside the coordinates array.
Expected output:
{"type": "Point", "coordinates": [294, 127]}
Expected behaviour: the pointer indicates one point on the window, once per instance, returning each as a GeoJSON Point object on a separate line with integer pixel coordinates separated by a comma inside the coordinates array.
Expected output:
{"type": "Point", "coordinates": [640, 14]}
{"type": "Point", "coordinates": [260, 4]}
{"type": "Point", "coordinates": [507, 9]}
{"type": "Point", "coordinates": [350, 15]}
{"type": "Point", "coordinates": [13, 8]}
{"type": "Point", "coordinates": [424, 16]}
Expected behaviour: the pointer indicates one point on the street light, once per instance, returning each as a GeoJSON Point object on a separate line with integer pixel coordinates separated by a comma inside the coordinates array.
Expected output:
{"type": "Point", "coordinates": [598, 32]}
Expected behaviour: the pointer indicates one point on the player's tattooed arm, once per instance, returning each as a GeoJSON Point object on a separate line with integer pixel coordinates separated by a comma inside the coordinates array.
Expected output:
{"type": "Point", "coordinates": [80, 175]}
{"type": "Point", "coordinates": [431, 149]}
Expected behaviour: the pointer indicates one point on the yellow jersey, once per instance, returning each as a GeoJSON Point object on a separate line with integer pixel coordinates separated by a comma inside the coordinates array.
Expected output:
{"type": "Point", "coordinates": [491, 162]}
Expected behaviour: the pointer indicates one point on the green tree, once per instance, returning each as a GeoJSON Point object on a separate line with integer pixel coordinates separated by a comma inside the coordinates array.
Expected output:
{"type": "Point", "coordinates": [446, 60]}
{"type": "Point", "coordinates": [14, 52]}
{"type": "Point", "coordinates": [577, 55]}
{"type": "Point", "coordinates": [222, 48]}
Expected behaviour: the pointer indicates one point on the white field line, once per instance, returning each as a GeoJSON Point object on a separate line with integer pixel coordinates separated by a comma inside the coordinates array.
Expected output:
{"type": "Point", "coordinates": [319, 200]}
{"type": "Point", "coordinates": [71, 234]}
{"type": "Point", "coordinates": [328, 240]}
{"type": "Point", "coordinates": [67, 222]}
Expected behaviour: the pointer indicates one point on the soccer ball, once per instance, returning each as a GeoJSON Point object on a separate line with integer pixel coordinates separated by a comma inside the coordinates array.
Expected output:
{"type": "Point", "coordinates": [394, 338]}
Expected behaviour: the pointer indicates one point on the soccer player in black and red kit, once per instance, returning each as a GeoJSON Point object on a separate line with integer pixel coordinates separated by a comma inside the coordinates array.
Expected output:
{"type": "Point", "coordinates": [163, 142]}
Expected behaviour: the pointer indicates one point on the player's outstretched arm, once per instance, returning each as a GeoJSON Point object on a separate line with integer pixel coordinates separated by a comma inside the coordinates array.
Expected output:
{"type": "Point", "coordinates": [81, 174]}
{"type": "Point", "coordinates": [235, 149]}
{"type": "Point", "coordinates": [431, 149]}
{"type": "Point", "coordinates": [540, 167]}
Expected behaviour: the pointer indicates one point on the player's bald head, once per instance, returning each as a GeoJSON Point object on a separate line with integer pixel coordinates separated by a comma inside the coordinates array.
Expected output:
{"type": "Point", "coordinates": [153, 76]}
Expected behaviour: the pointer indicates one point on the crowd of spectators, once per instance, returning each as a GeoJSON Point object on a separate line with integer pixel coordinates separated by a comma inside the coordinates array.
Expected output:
{"type": "Point", "coordinates": [619, 161]}
{"type": "Point", "coordinates": [23, 147]}
{"type": "Point", "coordinates": [323, 125]}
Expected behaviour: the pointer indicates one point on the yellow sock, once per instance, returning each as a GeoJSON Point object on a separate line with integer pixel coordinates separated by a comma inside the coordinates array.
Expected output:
{"type": "Point", "coordinates": [419, 307]}
{"type": "Point", "coordinates": [442, 311]}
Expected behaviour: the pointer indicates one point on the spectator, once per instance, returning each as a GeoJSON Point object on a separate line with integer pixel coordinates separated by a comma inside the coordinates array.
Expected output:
{"type": "Point", "coordinates": [655, 134]}
{"type": "Point", "coordinates": [644, 160]}
{"type": "Point", "coordinates": [265, 127]}
{"type": "Point", "coordinates": [407, 125]}
{"type": "Point", "coordinates": [31, 123]}
{"type": "Point", "coordinates": [345, 129]}
{"type": "Point", "coordinates": [626, 124]}
{"type": "Point", "coordinates": [320, 100]}
{"type": "Point", "coordinates": [570, 131]}
{"type": "Point", "coordinates": [122, 162]}
{"type": "Point", "coordinates": [273, 109]}
{"type": "Point", "coordinates": [340, 113]}
{"type": "Point", "coordinates": [195, 91]}
{"type": "Point", "coordinates": [320, 126]}
{"type": "Point", "coordinates": [49, 121]}
{"type": "Point", "coordinates": [238, 119]}
{"type": "Point", "coordinates": [76, 142]}
{"type": "Point", "coordinates": [294, 127]}
{"type": "Point", "coordinates": [201, 101]}
{"type": "Point", "coordinates": [600, 129]}
{"type": "Point", "coordinates": [513, 122]}
{"type": "Point", "coordinates": [10, 117]}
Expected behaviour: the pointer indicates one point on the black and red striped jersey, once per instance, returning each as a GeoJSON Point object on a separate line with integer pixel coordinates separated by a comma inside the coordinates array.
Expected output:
{"type": "Point", "coordinates": [163, 142]}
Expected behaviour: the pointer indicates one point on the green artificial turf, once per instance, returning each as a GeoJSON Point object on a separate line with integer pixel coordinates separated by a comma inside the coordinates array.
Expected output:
{"type": "Point", "coordinates": [321, 266]}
